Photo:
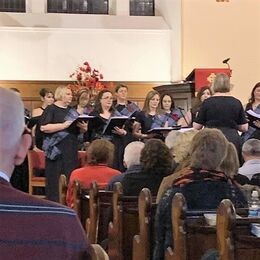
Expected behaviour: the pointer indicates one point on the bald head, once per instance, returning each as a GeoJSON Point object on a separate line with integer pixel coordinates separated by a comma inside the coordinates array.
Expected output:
{"type": "Point", "coordinates": [11, 119]}
{"type": "Point", "coordinates": [251, 149]}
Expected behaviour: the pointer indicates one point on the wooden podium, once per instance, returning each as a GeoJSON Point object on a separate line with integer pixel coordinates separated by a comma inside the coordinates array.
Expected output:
{"type": "Point", "coordinates": [182, 92]}
{"type": "Point", "coordinates": [204, 77]}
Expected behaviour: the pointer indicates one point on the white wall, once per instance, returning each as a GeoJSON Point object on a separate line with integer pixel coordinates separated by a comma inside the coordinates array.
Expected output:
{"type": "Point", "coordinates": [50, 46]}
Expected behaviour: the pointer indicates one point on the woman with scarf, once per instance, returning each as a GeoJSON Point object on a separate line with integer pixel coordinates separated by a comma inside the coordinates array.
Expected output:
{"type": "Point", "coordinates": [60, 142]}
{"type": "Point", "coordinates": [203, 185]}
{"type": "Point", "coordinates": [104, 110]}
{"type": "Point", "coordinates": [170, 115]}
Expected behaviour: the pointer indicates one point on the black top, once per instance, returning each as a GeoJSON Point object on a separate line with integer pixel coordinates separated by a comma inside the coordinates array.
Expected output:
{"type": "Point", "coordinates": [200, 195]}
{"type": "Point", "coordinates": [133, 183]}
{"type": "Point", "coordinates": [145, 120]}
{"type": "Point", "coordinates": [221, 111]}
{"type": "Point", "coordinates": [54, 115]}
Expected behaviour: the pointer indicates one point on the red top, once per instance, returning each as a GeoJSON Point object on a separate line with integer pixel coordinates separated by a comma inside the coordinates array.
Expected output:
{"type": "Point", "coordinates": [100, 173]}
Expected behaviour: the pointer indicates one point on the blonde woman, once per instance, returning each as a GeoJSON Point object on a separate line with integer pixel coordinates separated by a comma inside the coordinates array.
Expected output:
{"type": "Point", "coordinates": [60, 142]}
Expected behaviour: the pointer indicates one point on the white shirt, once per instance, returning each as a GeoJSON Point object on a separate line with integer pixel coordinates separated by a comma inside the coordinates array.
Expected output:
{"type": "Point", "coordinates": [250, 168]}
{"type": "Point", "coordinates": [4, 176]}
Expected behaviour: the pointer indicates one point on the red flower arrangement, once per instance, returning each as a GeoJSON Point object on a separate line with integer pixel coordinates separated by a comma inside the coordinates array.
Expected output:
{"type": "Point", "coordinates": [87, 77]}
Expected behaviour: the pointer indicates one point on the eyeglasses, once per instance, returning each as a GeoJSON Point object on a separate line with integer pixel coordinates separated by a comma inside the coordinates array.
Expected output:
{"type": "Point", "coordinates": [107, 98]}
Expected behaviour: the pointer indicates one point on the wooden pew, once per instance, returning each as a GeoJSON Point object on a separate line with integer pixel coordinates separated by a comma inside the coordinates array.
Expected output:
{"type": "Point", "coordinates": [63, 186]}
{"type": "Point", "coordinates": [142, 243]}
{"type": "Point", "coordinates": [92, 206]}
{"type": "Point", "coordinates": [98, 253]}
{"type": "Point", "coordinates": [124, 225]}
{"type": "Point", "coordinates": [189, 230]}
{"type": "Point", "coordinates": [100, 206]}
{"type": "Point", "coordinates": [234, 237]}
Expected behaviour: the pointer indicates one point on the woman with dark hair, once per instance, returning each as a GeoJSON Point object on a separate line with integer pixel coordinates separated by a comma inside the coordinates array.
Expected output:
{"type": "Point", "coordinates": [254, 105]}
{"type": "Point", "coordinates": [100, 156]}
{"type": "Point", "coordinates": [148, 118]}
{"type": "Point", "coordinates": [47, 98]}
{"type": "Point", "coordinates": [224, 112]}
{"type": "Point", "coordinates": [170, 115]}
{"type": "Point", "coordinates": [204, 93]}
{"type": "Point", "coordinates": [105, 110]}
{"type": "Point", "coordinates": [155, 166]}
{"type": "Point", "coordinates": [203, 184]}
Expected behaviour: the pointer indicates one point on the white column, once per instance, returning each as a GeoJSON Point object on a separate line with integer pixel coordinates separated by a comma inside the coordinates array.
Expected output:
{"type": "Point", "coordinates": [122, 7]}
{"type": "Point", "coordinates": [36, 6]}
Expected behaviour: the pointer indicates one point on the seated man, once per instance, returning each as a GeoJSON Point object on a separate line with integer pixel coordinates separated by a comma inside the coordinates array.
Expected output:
{"type": "Point", "coordinates": [251, 167]}
{"type": "Point", "coordinates": [131, 161]}
{"type": "Point", "coordinates": [30, 228]}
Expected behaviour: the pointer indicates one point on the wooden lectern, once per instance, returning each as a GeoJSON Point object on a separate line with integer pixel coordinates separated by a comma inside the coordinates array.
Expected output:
{"type": "Point", "coordinates": [204, 77]}
{"type": "Point", "coordinates": [182, 93]}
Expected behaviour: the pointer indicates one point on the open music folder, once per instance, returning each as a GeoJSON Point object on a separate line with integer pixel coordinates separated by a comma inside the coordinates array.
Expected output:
{"type": "Point", "coordinates": [114, 121]}
{"type": "Point", "coordinates": [94, 121]}
{"type": "Point", "coordinates": [157, 130]}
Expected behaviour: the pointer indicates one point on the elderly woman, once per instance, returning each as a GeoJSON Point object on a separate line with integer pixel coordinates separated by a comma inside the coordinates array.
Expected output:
{"type": "Point", "coordinates": [202, 184]}
{"type": "Point", "coordinates": [60, 142]}
{"type": "Point", "coordinates": [224, 112]}
{"type": "Point", "coordinates": [155, 166]}
{"type": "Point", "coordinates": [100, 156]}
{"type": "Point", "coordinates": [179, 144]}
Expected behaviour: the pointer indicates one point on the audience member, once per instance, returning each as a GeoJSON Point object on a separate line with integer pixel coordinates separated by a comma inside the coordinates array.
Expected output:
{"type": "Point", "coordinates": [202, 184]}
{"type": "Point", "coordinates": [20, 176]}
{"type": "Point", "coordinates": [60, 142]}
{"type": "Point", "coordinates": [180, 145]}
{"type": "Point", "coordinates": [254, 105]}
{"type": "Point", "coordinates": [224, 112]}
{"type": "Point", "coordinates": [251, 167]}
{"type": "Point", "coordinates": [157, 162]}
{"type": "Point", "coordinates": [188, 119]}
{"type": "Point", "coordinates": [31, 228]}
{"type": "Point", "coordinates": [100, 155]}
{"type": "Point", "coordinates": [131, 160]}
{"type": "Point", "coordinates": [47, 99]}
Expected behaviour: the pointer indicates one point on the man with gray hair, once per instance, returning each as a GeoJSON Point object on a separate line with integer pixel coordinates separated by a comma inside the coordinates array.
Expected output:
{"type": "Point", "coordinates": [132, 156]}
{"type": "Point", "coordinates": [251, 155]}
{"type": "Point", "coordinates": [30, 228]}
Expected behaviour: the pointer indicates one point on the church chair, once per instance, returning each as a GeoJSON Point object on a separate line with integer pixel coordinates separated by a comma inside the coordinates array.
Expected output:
{"type": "Point", "coordinates": [142, 243]}
{"type": "Point", "coordinates": [36, 164]}
{"type": "Point", "coordinates": [63, 186]}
